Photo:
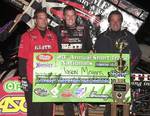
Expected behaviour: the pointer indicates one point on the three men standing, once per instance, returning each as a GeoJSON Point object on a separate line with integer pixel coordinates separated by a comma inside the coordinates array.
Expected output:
{"type": "Point", "coordinates": [71, 38]}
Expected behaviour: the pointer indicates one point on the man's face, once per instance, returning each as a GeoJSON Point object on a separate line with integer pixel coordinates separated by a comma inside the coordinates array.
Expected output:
{"type": "Point", "coordinates": [70, 18]}
{"type": "Point", "coordinates": [41, 21]}
{"type": "Point", "coordinates": [115, 22]}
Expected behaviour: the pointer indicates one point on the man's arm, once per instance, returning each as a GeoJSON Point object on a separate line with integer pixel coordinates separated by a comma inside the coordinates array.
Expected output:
{"type": "Point", "coordinates": [88, 41]}
{"type": "Point", "coordinates": [135, 52]}
{"type": "Point", "coordinates": [23, 57]}
{"type": "Point", "coordinates": [57, 31]}
{"type": "Point", "coordinates": [101, 44]}
{"type": "Point", "coordinates": [22, 67]}
{"type": "Point", "coordinates": [23, 73]}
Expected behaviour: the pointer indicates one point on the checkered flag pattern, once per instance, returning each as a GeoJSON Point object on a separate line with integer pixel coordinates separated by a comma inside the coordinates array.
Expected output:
{"type": "Point", "coordinates": [39, 4]}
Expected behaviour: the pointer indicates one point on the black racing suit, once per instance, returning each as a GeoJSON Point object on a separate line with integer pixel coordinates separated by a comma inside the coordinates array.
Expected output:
{"type": "Point", "coordinates": [76, 39]}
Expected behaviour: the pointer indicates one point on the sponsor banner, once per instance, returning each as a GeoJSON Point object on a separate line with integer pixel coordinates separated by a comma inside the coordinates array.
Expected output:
{"type": "Point", "coordinates": [77, 77]}
{"type": "Point", "coordinates": [93, 13]}
{"type": "Point", "coordinates": [12, 101]}
{"type": "Point", "coordinates": [139, 80]}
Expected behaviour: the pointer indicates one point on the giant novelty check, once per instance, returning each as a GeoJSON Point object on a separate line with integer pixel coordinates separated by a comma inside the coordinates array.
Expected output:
{"type": "Point", "coordinates": [77, 77]}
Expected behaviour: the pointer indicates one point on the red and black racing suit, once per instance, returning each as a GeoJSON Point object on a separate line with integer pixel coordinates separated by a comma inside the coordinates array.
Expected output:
{"type": "Point", "coordinates": [76, 39]}
{"type": "Point", "coordinates": [31, 42]}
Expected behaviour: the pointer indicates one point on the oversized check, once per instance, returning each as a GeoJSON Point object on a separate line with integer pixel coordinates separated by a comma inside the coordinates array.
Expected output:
{"type": "Point", "coordinates": [77, 77]}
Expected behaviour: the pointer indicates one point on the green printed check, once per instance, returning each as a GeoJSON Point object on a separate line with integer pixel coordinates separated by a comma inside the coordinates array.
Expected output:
{"type": "Point", "coordinates": [77, 77]}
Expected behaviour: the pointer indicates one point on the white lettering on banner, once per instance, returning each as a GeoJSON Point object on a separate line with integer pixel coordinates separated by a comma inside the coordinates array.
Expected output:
{"type": "Point", "coordinates": [71, 46]}
{"type": "Point", "coordinates": [93, 2]}
{"type": "Point", "coordinates": [84, 2]}
{"type": "Point", "coordinates": [99, 7]}
{"type": "Point", "coordinates": [98, 2]}
{"type": "Point", "coordinates": [139, 77]}
{"type": "Point", "coordinates": [96, 6]}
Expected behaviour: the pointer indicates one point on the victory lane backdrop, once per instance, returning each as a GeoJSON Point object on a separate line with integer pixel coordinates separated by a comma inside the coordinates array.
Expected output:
{"type": "Point", "coordinates": [77, 77]}
{"type": "Point", "coordinates": [93, 13]}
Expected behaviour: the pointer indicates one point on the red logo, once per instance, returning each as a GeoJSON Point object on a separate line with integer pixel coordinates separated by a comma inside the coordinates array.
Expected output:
{"type": "Point", "coordinates": [66, 93]}
{"type": "Point", "coordinates": [44, 57]}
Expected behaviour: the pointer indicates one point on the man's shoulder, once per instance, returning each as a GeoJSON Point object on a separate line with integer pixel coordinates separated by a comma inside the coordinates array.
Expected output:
{"type": "Point", "coordinates": [52, 32]}
{"type": "Point", "coordinates": [30, 31]}
{"type": "Point", "coordinates": [128, 32]}
{"type": "Point", "coordinates": [25, 34]}
{"type": "Point", "coordinates": [103, 34]}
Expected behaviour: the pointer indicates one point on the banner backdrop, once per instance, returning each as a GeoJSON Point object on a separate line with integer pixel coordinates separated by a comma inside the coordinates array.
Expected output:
{"type": "Point", "coordinates": [93, 13]}
{"type": "Point", "coordinates": [12, 101]}
{"type": "Point", "coordinates": [77, 77]}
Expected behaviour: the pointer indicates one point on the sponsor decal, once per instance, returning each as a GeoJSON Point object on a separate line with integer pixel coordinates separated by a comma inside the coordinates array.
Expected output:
{"type": "Point", "coordinates": [44, 57]}
{"type": "Point", "coordinates": [54, 92]}
{"type": "Point", "coordinates": [12, 104]}
{"type": "Point", "coordinates": [41, 92]}
{"type": "Point", "coordinates": [140, 80]}
{"type": "Point", "coordinates": [43, 47]}
{"type": "Point", "coordinates": [116, 74]}
{"type": "Point", "coordinates": [71, 46]}
{"type": "Point", "coordinates": [140, 77]}
{"type": "Point", "coordinates": [12, 86]}
{"type": "Point", "coordinates": [40, 65]}
{"type": "Point", "coordinates": [94, 94]}
{"type": "Point", "coordinates": [80, 91]}
{"type": "Point", "coordinates": [66, 93]}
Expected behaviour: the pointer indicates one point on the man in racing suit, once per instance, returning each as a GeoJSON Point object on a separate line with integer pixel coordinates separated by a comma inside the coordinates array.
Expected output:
{"type": "Point", "coordinates": [39, 39]}
{"type": "Point", "coordinates": [72, 38]}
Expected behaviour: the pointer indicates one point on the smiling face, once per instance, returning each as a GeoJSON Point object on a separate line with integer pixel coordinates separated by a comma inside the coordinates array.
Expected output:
{"type": "Point", "coordinates": [41, 21]}
{"type": "Point", "coordinates": [115, 22]}
{"type": "Point", "coordinates": [70, 18]}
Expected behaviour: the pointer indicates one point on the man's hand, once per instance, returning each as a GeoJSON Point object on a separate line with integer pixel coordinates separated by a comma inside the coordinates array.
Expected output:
{"type": "Point", "coordinates": [91, 51]}
{"type": "Point", "coordinates": [24, 84]}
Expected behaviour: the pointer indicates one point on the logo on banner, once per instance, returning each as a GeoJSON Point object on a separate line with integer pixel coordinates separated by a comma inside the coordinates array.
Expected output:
{"type": "Point", "coordinates": [41, 92]}
{"type": "Point", "coordinates": [12, 86]}
{"type": "Point", "coordinates": [13, 104]}
{"type": "Point", "coordinates": [44, 57]}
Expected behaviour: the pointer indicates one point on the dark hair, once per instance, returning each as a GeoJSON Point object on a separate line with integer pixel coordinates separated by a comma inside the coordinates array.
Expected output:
{"type": "Point", "coordinates": [39, 11]}
{"type": "Point", "coordinates": [116, 12]}
{"type": "Point", "coordinates": [68, 8]}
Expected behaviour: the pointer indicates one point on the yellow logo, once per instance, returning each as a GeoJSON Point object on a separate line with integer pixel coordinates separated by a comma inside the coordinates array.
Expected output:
{"type": "Point", "coordinates": [13, 104]}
